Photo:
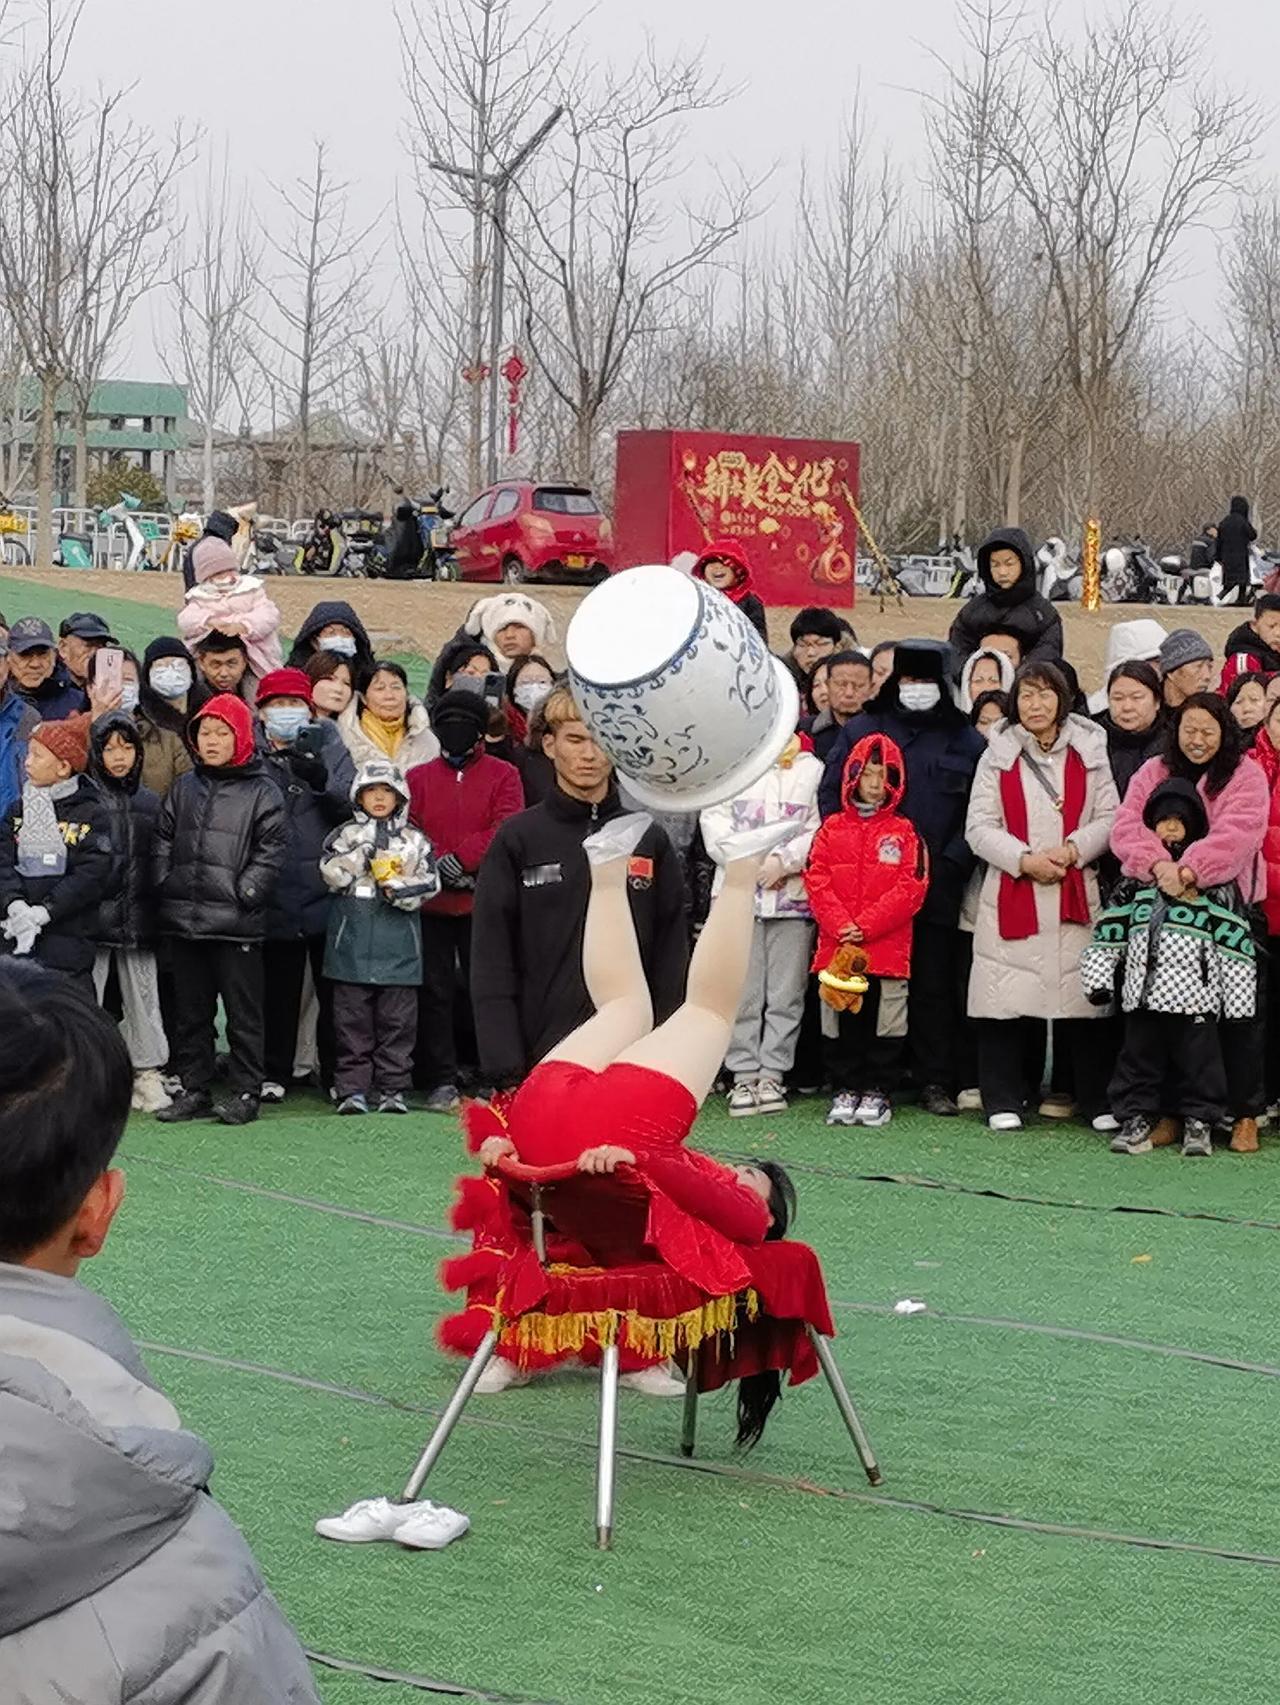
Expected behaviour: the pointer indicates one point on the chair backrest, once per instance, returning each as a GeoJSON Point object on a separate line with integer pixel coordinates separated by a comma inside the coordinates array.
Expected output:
{"type": "Point", "coordinates": [576, 1203]}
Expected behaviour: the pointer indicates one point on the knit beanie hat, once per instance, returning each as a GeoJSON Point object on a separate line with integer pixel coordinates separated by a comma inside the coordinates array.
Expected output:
{"type": "Point", "coordinates": [462, 707]}
{"type": "Point", "coordinates": [284, 684]}
{"type": "Point", "coordinates": [67, 740]}
{"type": "Point", "coordinates": [213, 556]}
{"type": "Point", "coordinates": [1184, 645]}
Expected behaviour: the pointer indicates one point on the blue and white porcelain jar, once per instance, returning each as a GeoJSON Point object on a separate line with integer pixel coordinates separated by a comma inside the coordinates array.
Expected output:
{"type": "Point", "coordinates": [678, 688]}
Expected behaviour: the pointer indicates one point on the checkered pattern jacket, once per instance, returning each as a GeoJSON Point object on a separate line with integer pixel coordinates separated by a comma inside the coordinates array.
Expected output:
{"type": "Point", "coordinates": [1191, 958]}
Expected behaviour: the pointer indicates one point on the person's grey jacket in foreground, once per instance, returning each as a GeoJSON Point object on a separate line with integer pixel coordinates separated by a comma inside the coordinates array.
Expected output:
{"type": "Point", "coordinates": [122, 1582]}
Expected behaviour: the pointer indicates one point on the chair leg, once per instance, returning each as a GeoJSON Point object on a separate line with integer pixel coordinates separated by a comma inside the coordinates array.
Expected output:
{"type": "Point", "coordinates": [449, 1420]}
{"type": "Point", "coordinates": [844, 1403]}
{"type": "Point", "coordinates": [689, 1422]}
{"type": "Point", "coordinates": [608, 1443]}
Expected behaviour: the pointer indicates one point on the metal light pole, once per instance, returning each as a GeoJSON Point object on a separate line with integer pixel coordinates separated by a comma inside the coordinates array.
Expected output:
{"type": "Point", "coordinates": [499, 182]}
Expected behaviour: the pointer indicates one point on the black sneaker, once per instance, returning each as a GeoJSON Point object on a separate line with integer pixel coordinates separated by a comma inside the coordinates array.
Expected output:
{"type": "Point", "coordinates": [193, 1105]}
{"type": "Point", "coordinates": [1197, 1137]}
{"type": "Point", "coordinates": [243, 1110]}
{"type": "Point", "coordinates": [935, 1100]}
{"type": "Point", "coordinates": [1133, 1137]}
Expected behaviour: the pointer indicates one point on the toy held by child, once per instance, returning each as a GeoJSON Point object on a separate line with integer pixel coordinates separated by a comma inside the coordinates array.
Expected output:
{"type": "Point", "coordinates": [223, 600]}
{"type": "Point", "coordinates": [867, 878]}
{"type": "Point", "coordinates": [125, 931]}
{"type": "Point", "coordinates": [1182, 966]}
{"type": "Point", "coordinates": [380, 870]}
{"type": "Point", "coordinates": [56, 862]}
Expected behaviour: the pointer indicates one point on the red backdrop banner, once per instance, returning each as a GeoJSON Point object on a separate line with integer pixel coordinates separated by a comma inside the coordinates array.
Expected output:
{"type": "Point", "coordinates": [789, 500]}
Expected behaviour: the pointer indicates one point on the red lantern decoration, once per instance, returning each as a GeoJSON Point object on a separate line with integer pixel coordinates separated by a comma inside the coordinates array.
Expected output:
{"type": "Point", "coordinates": [515, 372]}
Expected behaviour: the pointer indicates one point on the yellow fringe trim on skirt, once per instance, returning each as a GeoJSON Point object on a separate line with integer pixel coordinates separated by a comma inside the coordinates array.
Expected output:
{"type": "Point", "coordinates": [566, 1334]}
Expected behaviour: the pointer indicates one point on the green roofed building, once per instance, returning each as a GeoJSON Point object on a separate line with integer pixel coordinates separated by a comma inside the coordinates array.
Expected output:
{"type": "Point", "coordinates": [129, 421]}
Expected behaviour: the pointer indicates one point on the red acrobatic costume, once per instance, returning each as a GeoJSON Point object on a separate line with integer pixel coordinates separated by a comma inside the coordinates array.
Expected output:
{"type": "Point", "coordinates": [672, 1252]}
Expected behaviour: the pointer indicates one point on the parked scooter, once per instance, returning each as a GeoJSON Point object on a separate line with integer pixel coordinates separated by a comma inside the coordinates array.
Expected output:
{"type": "Point", "coordinates": [418, 539]}
{"type": "Point", "coordinates": [1129, 573]}
{"type": "Point", "coordinates": [364, 552]}
{"type": "Point", "coordinates": [1060, 577]}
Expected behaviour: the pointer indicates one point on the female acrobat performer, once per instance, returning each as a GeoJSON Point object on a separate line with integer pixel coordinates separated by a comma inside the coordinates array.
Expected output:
{"type": "Point", "coordinates": [618, 1092]}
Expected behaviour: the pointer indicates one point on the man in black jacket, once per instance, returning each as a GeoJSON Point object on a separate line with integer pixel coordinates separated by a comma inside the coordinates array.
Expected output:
{"type": "Point", "coordinates": [220, 841]}
{"type": "Point", "coordinates": [38, 675]}
{"type": "Point", "coordinates": [527, 988]}
{"type": "Point", "coordinates": [940, 751]}
{"type": "Point", "coordinates": [1235, 534]}
{"type": "Point", "coordinates": [1008, 603]}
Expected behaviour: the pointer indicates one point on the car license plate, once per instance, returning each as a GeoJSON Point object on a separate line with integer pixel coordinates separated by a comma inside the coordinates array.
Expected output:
{"type": "Point", "coordinates": [575, 562]}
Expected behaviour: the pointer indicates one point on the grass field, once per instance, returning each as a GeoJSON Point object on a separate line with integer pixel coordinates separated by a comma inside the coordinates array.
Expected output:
{"type": "Point", "coordinates": [1079, 1437]}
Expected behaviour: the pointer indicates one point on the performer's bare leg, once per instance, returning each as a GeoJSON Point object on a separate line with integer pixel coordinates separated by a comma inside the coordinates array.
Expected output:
{"type": "Point", "coordinates": [690, 1046]}
{"type": "Point", "coordinates": [611, 963]}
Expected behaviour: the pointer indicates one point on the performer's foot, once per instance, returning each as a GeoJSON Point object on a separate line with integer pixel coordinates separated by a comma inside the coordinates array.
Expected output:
{"type": "Point", "coordinates": [657, 1381]}
{"type": "Point", "coordinates": [618, 838]}
{"type": "Point", "coordinates": [500, 1375]}
{"type": "Point", "coordinates": [756, 842]}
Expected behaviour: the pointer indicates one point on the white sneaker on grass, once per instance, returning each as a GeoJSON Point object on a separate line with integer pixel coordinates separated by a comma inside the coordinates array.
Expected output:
{"type": "Point", "coordinates": [969, 1101]}
{"type": "Point", "coordinates": [364, 1522]}
{"type": "Point", "coordinates": [272, 1093]}
{"type": "Point", "coordinates": [743, 1101]}
{"type": "Point", "coordinates": [874, 1111]}
{"type": "Point", "coordinates": [430, 1527]}
{"type": "Point", "coordinates": [1005, 1122]}
{"type": "Point", "coordinates": [1106, 1123]}
{"type": "Point", "coordinates": [149, 1093]}
{"type": "Point", "coordinates": [657, 1381]}
{"type": "Point", "coordinates": [844, 1109]}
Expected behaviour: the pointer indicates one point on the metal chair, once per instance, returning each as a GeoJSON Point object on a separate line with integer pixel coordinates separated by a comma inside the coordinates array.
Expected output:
{"type": "Point", "coordinates": [539, 1183]}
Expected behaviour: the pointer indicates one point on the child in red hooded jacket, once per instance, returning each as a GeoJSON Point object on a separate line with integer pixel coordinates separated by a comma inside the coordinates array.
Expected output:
{"type": "Point", "coordinates": [724, 565]}
{"type": "Point", "coordinates": [867, 878]}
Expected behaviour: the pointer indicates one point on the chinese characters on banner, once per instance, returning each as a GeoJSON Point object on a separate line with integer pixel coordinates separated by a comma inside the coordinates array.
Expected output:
{"type": "Point", "coordinates": [790, 501]}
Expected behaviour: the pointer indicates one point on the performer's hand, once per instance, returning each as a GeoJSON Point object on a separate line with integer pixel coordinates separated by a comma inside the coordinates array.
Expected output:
{"type": "Point", "coordinates": [850, 935]}
{"type": "Point", "coordinates": [606, 1158]}
{"type": "Point", "coordinates": [494, 1149]}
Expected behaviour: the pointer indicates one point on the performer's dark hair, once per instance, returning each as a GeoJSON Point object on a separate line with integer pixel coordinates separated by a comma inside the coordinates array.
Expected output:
{"type": "Point", "coordinates": [759, 1392]}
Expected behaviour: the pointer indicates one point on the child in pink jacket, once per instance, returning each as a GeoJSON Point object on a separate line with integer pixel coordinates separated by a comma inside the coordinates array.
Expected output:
{"type": "Point", "coordinates": [225, 601]}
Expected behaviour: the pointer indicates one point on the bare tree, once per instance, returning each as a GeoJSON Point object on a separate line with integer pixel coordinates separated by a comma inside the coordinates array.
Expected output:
{"type": "Point", "coordinates": [312, 285]}
{"type": "Point", "coordinates": [476, 75]}
{"type": "Point", "coordinates": [212, 283]}
{"type": "Point", "coordinates": [1129, 149]}
{"type": "Point", "coordinates": [596, 246]}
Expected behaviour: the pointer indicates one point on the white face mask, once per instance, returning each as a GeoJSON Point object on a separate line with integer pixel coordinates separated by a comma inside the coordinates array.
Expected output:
{"type": "Point", "coordinates": [171, 680]}
{"type": "Point", "coordinates": [341, 644]}
{"type": "Point", "coordinates": [129, 696]}
{"type": "Point", "coordinates": [530, 694]}
{"type": "Point", "coordinates": [918, 695]}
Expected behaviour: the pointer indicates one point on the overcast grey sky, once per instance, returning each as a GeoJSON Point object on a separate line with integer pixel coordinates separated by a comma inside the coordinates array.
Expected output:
{"type": "Point", "coordinates": [271, 75]}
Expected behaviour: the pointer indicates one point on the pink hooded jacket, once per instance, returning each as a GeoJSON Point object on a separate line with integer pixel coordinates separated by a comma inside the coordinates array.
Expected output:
{"type": "Point", "coordinates": [1230, 852]}
{"type": "Point", "coordinates": [209, 609]}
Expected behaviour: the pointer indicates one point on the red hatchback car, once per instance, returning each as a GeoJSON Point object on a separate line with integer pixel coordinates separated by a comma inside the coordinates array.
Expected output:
{"type": "Point", "coordinates": [517, 531]}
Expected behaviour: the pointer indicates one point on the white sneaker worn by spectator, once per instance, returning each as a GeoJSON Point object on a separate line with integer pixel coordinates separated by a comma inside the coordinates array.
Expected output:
{"type": "Point", "coordinates": [969, 1101]}
{"type": "Point", "coordinates": [743, 1101]}
{"type": "Point", "coordinates": [657, 1381]}
{"type": "Point", "coordinates": [770, 1097]}
{"type": "Point", "coordinates": [272, 1092]}
{"type": "Point", "coordinates": [1004, 1122]}
{"type": "Point", "coordinates": [149, 1095]}
{"type": "Point", "coordinates": [844, 1109]}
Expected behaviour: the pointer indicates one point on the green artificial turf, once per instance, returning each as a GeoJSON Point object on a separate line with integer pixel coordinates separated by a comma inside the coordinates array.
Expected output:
{"type": "Point", "coordinates": [283, 1276]}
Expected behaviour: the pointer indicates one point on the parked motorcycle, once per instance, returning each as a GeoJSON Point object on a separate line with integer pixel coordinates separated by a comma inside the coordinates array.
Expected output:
{"type": "Point", "coordinates": [1129, 573]}
{"type": "Point", "coordinates": [364, 551]}
{"type": "Point", "coordinates": [1059, 574]}
{"type": "Point", "coordinates": [418, 538]}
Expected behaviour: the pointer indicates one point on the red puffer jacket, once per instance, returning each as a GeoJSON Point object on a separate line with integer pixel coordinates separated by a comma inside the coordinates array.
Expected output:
{"type": "Point", "coordinates": [460, 811]}
{"type": "Point", "coordinates": [1265, 754]}
{"type": "Point", "coordinates": [869, 871]}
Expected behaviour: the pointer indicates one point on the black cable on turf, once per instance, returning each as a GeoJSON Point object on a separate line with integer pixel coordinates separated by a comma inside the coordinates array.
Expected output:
{"type": "Point", "coordinates": [424, 1684]}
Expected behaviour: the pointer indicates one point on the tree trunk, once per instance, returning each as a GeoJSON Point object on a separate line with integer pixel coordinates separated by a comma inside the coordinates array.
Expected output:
{"type": "Point", "coordinates": [45, 471]}
{"type": "Point", "coordinates": [960, 500]}
{"type": "Point", "coordinates": [475, 401]}
{"type": "Point", "coordinates": [206, 468]}
{"type": "Point", "coordinates": [584, 435]}
{"type": "Point", "coordinates": [81, 485]}
{"type": "Point", "coordinates": [1013, 480]}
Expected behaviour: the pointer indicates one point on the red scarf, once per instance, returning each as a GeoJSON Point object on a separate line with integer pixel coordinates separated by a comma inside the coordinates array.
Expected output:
{"type": "Point", "coordinates": [1017, 904]}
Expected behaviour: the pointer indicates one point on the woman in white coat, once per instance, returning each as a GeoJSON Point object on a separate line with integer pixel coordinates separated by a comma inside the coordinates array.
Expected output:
{"type": "Point", "coordinates": [384, 720]}
{"type": "Point", "coordinates": [1040, 817]}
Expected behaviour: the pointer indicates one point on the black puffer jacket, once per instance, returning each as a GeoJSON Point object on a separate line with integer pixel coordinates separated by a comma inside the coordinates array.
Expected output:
{"type": "Point", "coordinates": [332, 610]}
{"type": "Point", "coordinates": [314, 778]}
{"type": "Point", "coordinates": [1019, 609]}
{"type": "Point", "coordinates": [126, 917]}
{"type": "Point", "coordinates": [221, 838]}
{"type": "Point", "coordinates": [72, 898]}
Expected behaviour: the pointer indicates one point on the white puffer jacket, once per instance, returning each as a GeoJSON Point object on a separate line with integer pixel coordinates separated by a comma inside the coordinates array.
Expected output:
{"type": "Point", "coordinates": [1040, 976]}
{"type": "Point", "coordinates": [419, 745]}
{"type": "Point", "coordinates": [790, 791]}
